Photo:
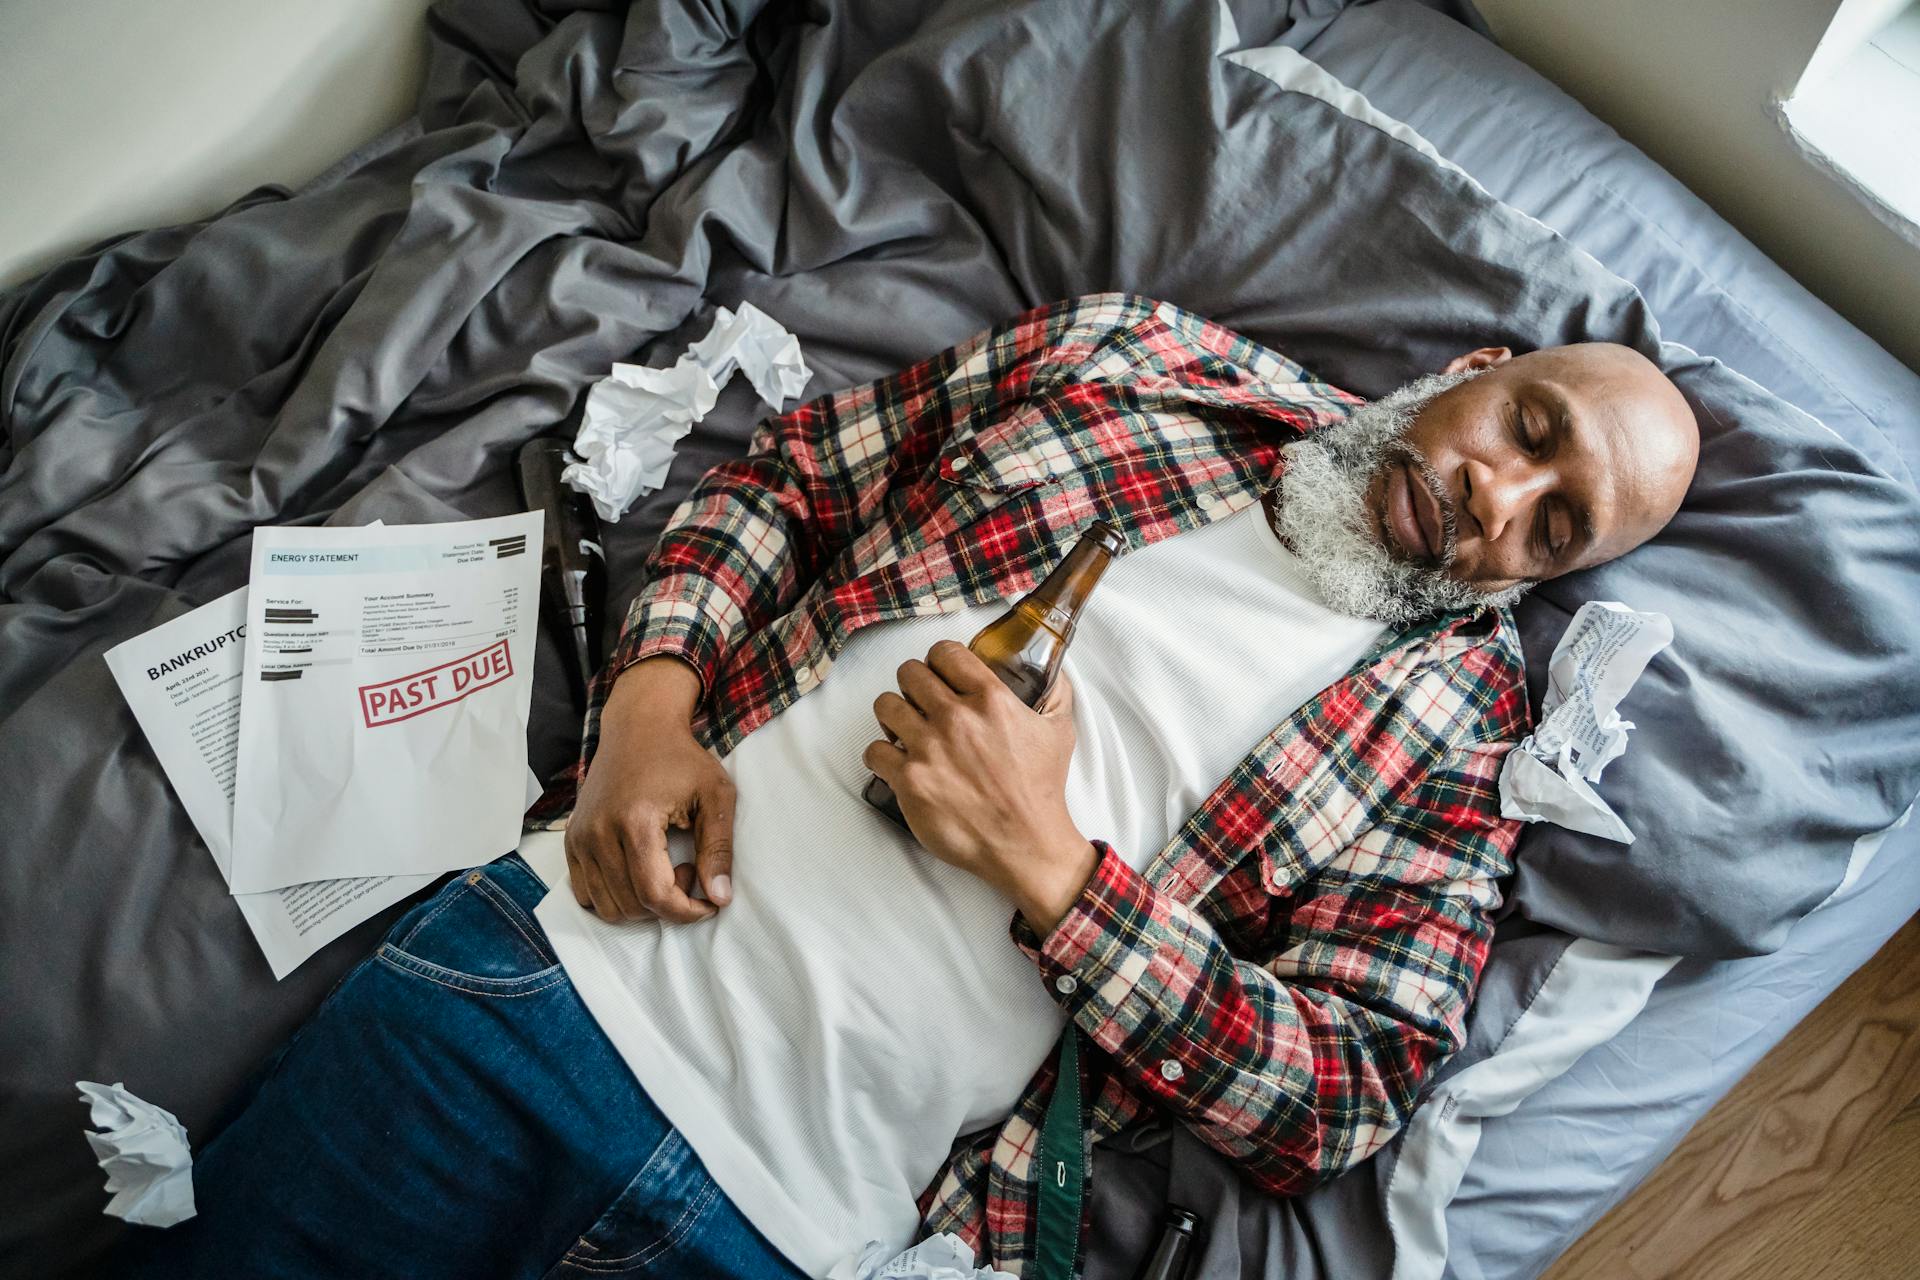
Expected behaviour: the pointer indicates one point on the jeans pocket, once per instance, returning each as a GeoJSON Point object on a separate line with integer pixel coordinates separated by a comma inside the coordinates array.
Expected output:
{"type": "Point", "coordinates": [476, 935]}
{"type": "Point", "coordinates": [647, 1224]}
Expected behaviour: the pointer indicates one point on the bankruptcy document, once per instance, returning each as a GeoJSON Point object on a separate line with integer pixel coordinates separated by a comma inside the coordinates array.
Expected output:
{"type": "Point", "coordinates": [182, 680]}
{"type": "Point", "coordinates": [387, 673]}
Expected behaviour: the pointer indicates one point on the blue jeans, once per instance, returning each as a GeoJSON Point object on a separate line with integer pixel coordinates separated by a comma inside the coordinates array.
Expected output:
{"type": "Point", "coordinates": [453, 1110]}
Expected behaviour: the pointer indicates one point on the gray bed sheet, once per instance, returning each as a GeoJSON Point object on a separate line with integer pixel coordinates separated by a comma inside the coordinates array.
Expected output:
{"type": "Point", "coordinates": [584, 189]}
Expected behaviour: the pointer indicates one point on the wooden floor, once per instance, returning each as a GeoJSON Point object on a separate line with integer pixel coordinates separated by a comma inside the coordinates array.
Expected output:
{"type": "Point", "coordinates": [1809, 1169]}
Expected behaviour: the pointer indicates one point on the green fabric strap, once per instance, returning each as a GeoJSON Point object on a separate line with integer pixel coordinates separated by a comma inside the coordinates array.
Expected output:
{"type": "Point", "coordinates": [1061, 1169]}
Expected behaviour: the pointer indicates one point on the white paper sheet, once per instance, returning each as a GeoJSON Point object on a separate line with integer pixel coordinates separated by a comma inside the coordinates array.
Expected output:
{"type": "Point", "coordinates": [387, 680]}
{"type": "Point", "coordinates": [940, 1257]}
{"type": "Point", "coordinates": [144, 1151]}
{"type": "Point", "coordinates": [1549, 776]}
{"type": "Point", "coordinates": [183, 681]}
{"type": "Point", "coordinates": [636, 415]}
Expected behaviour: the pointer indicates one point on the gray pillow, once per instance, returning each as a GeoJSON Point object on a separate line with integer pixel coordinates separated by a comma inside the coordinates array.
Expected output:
{"type": "Point", "coordinates": [1535, 148]}
{"type": "Point", "coordinates": [1782, 724]}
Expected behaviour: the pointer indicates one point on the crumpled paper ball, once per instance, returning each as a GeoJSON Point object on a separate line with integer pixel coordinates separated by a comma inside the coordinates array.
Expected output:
{"type": "Point", "coordinates": [637, 414]}
{"type": "Point", "coordinates": [144, 1151]}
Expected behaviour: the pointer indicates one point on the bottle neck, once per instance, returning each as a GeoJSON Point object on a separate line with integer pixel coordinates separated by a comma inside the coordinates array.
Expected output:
{"type": "Point", "coordinates": [1066, 590]}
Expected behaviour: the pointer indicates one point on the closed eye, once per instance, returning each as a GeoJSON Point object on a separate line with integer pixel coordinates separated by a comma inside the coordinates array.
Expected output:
{"type": "Point", "coordinates": [1546, 545]}
{"type": "Point", "coordinates": [1523, 434]}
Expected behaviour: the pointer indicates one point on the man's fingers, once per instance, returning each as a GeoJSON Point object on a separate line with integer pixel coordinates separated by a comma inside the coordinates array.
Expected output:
{"type": "Point", "coordinates": [901, 719]}
{"type": "Point", "coordinates": [579, 878]}
{"type": "Point", "coordinates": [884, 760]}
{"type": "Point", "coordinates": [713, 844]}
{"type": "Point", "coordinates": [961, 668]}
{"type": "Point", "coordinates": [684, 877]}
{"type": "Point", "coordinates": [623, 847]}
{"type": "Point", "coordinates": [661, 894]}
{"type": "Point", "coordinates": [666, 899]}
{"type": "Point", "coordinates": [584, 871]}
{"type": "Point", "coordinates": [921, 687]}
{"type": "Point", "coordinates": [576, 879]}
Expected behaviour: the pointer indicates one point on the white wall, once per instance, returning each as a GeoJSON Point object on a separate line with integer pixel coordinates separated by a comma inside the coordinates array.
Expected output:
{"type": "Point", "coordinates": [1692, 83]}
{"type": "Point", "coordinates": [121, 114]}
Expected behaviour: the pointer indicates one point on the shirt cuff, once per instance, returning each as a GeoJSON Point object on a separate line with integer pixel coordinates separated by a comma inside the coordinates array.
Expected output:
{"type": "Point", "coordinates": [1106, 965]}
{"type": "Point", "coordinates": [1101, 947]}
{"type": "Point", "coordinates": [674, 624]}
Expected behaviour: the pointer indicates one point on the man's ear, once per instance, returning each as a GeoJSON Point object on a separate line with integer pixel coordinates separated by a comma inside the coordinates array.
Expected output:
{"type": "Point", "coordinates": [1484, 358]}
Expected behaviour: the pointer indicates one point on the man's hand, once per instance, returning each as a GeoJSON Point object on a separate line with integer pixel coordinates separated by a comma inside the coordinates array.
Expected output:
{"type": "Point", "coordinates": [650, 773]}
{"type": "Point", "coordinates": [982, 779]}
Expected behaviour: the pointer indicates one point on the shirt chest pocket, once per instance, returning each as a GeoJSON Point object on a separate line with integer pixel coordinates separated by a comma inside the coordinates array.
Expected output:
{"type": "Point", "coordinates": [1021, 449]}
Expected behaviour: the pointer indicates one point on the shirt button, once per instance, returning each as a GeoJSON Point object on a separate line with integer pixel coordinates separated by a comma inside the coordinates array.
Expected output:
{"type": "Point", "coordinates": [1209, 501]}
{"type": "Point", "coordinates": [1066, 984]}
{"type": "Point", "coordinates": [960, 464]}
{"type": "Point", "coordinates": [804, 677]}
{"type": "Point", "coordinates": [1171, 1071]}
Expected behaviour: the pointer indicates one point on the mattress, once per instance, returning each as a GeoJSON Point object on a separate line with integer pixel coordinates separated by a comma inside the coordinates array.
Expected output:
{"type": "Point", "coordinates": [1544, 1174]}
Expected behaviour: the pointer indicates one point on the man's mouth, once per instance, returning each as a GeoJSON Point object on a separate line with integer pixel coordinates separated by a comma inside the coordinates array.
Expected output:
{"type": "Point", "coordinates": [1412, 514]}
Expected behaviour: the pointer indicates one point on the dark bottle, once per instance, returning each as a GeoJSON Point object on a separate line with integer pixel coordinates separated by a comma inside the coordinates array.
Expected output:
{"type": "Point", "coordinates": [1173, 1256]}
{"type": "Point", "coordinates": [1025, 644]}
{"type": "Point", "coordinates": [572, 575]}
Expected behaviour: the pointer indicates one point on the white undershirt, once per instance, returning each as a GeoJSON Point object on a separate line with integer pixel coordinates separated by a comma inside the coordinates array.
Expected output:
{"type": "Point", "coordinates": [823, 1040]}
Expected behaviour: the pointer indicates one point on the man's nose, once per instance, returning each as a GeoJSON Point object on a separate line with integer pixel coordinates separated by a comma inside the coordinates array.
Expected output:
{"type": "Point", "coordinates": [1496, 496]}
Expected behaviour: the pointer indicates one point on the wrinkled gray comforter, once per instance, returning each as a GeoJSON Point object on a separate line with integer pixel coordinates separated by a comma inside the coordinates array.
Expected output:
{"type": "Point", "coordinates": [583, 185]}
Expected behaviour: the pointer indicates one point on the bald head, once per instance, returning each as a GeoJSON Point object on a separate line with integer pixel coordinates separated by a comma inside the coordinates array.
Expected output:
{"type": "Point", "coordinates": [1537, 465]}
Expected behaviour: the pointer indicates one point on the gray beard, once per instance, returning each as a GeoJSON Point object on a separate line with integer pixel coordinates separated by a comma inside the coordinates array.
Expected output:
{"type": "Point", "coordinates": [1322, 515]}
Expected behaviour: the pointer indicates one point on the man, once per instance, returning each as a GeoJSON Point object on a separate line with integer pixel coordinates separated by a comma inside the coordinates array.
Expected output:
{"type": "Point", "coordinates": [1248, 851]}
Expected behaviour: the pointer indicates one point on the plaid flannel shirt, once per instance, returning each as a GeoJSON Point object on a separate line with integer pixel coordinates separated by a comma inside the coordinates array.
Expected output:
{"type": "Point", "coordinates": [1287, 972]}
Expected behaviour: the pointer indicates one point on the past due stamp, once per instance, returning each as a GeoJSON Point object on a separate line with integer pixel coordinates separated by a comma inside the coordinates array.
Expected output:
{"type": "Point", "coordinates": [404, 697]}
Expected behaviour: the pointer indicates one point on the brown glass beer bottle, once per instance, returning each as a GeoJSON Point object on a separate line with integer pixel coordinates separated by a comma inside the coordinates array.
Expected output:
{"type": "Point", "coordinates": [1024, 645]}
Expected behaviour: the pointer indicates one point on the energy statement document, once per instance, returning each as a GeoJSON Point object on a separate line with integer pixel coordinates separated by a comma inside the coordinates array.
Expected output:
{"type": "Point", "coordinates": [182, 680]}
{"type": "Point", "coordinates": [387, 676]}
